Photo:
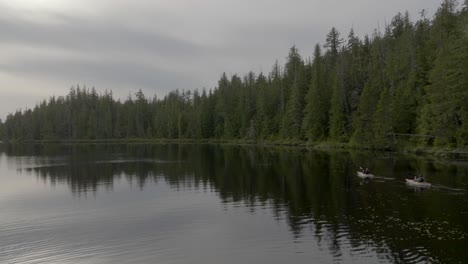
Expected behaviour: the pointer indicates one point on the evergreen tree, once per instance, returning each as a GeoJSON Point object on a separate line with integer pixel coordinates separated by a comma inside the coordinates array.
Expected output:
{"type": "Point", "coordinates": [382, 120]}
{"type": "Point", "coordinates": [220, 106]}
{"type": "Point", "coordinates": [292, 121]}
{"type": "Point", "coordinates": [276, 107]}
{"type": "Point", "coordinates": [2, 136]}
{"type": "Point", "coordinates": [315, 122]}
{"type": "Point", "coordinates": [411, 81]}
{"type": "Point", "coordinates": [338, 131]}
{"type": "Point", "coordinates": [444, 112]}
{"type": "Point", "coordinates": [333, 42]}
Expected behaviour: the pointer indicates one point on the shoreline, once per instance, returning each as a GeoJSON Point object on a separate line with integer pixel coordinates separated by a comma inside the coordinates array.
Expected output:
{"type": "Point", "coordinates": [446, 153]}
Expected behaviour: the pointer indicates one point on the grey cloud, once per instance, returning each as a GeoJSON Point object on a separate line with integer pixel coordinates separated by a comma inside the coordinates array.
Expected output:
{"type": "Point", "coordinates": [94, 36]}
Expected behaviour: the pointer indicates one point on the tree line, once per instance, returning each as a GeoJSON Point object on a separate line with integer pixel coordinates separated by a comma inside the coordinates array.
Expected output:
{"type": "Point", "coordinates": [406, 84]}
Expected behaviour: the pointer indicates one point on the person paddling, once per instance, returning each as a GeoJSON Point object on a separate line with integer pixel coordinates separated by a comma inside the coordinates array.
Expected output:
{"type": "Point", "coordinates": [365, 171]}
{"type": "Point", "coordinates": [419, 178]}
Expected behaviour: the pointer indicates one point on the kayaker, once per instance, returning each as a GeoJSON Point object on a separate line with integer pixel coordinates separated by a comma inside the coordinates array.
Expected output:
{"type": "Point", "coordinates": [419, 178]}
{"type": "Point", "coordinates": [366, 171]}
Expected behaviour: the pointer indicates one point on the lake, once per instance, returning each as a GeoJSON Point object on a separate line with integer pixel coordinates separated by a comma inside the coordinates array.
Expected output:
{"type": "Point", "coordinates": [142, 203]}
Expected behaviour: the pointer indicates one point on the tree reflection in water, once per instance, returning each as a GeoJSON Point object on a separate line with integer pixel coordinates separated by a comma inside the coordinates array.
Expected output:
{"type": "Point", "coordinates": [312, 190]}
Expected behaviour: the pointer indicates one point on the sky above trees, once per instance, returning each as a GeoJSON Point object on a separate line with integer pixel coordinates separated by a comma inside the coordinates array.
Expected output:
{"type": "Point", "coordinates": [47, 46]}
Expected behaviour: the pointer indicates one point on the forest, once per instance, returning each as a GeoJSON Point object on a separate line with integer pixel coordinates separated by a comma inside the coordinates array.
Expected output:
{"type": "Point", "coordinates": [406, 85]}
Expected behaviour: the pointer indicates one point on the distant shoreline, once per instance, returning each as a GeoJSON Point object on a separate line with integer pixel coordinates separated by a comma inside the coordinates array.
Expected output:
{"type": "Point", "coordinates": [446, 153]}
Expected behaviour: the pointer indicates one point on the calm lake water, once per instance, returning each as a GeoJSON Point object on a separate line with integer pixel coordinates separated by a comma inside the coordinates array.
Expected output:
{"type": "Point", "coordinates": [226, 204]}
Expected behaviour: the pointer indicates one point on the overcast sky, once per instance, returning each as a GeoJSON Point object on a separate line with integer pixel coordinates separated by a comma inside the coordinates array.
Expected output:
{"type": "Point", "coordinates": [46, 46]}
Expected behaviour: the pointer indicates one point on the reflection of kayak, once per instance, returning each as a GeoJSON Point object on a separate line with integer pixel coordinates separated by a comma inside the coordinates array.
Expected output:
{"type": "Point", "coordinates": [416, 183]}
{"type": "Point", "coordinates": [365, 176]}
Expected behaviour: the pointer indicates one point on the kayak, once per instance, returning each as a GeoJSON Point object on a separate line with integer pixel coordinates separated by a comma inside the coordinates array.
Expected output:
{"type": "Point", "coordinates": [416, 183]}
{"type": "Point", "coordinates": [365, 176]}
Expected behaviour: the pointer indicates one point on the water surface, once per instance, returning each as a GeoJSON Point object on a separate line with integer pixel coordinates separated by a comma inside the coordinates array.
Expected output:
{"type": "Point", "coordinates": [224, 204]}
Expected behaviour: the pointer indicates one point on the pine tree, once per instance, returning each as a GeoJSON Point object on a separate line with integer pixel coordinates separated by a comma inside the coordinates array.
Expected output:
{"type": "Point", "coordinates": [2, 135]}
{"type": "Point", "coordinates": [292, 120]}
{"type": "Point", "coordinates": [444, 112]}
{"type": "Point", "coordinates": [338, 131]}
{"type": "Point", "coordinates": [315, 122]}
{"type": "Point", "coordinates": [276, 107]}
{"type": "Point", "coordinates": [333, 42]}
{"type": "Point", "coordinates": [383, 120]}
{"type": "Point", "coordinates": [262, 98]}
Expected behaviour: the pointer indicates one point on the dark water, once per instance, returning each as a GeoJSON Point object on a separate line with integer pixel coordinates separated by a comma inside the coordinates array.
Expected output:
{"type": "Point", "coordinates": [225, 204]}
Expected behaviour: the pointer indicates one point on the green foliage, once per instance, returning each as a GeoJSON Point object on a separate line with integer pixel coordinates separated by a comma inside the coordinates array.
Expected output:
{"type": "Point", "coordinates": [383, 120]}
{"type": "Point", "coordinates": [409, 81]}
{"type": "Point", "coordinates": [333, 42]}
{"type": "Point", "coordinates": [315, 123]}
{"type": "Point", "coordinates": [292, 120]}
{"type": "Point", "coordinates": [338, 130]}
{"type": "Point", "coordinates": [1, 130]}
{"type": "Point", "coordinates": [444, 112]}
